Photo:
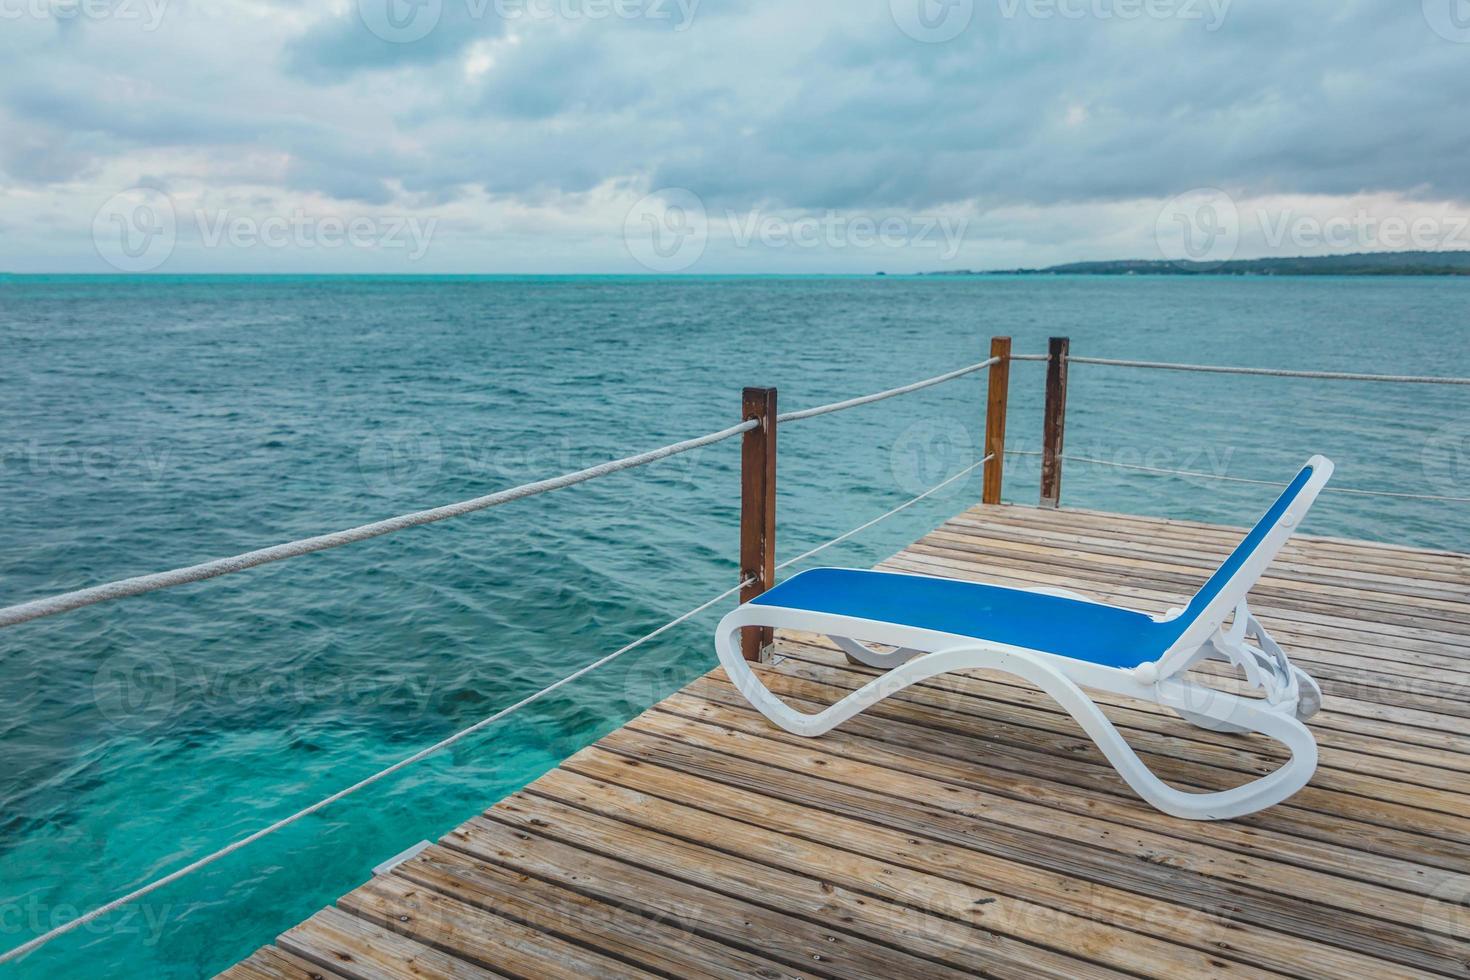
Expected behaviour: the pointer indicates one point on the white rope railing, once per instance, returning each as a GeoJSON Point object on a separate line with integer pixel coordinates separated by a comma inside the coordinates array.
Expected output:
{"type": "Point", "coordinates": [459, 736]}
{"type": "Point", "coordinates": [139, 585]}
{"type": "Point", "coordinates": [35, 609]}
{"type": "Point", "coordinates": [1268, 372]}
{"type": "Point", "coordinates": [880, 519]}
{"type": "Point", "coordinates": [1199, 474]}
{"type": "Point", "coordinates": [50, 606]}
{"type": "Point", "coordinates": [284, 822]}
{"type": "Point", "coordinates": [808, 413]}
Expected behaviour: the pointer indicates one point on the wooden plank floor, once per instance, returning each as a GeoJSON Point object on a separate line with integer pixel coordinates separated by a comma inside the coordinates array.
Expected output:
{"type": "Point", "coordinates": [967, 827]}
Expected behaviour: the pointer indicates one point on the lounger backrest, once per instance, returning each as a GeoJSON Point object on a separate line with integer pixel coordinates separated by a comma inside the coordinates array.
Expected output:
{"type": "Point", "coordinates": [1219, 596]}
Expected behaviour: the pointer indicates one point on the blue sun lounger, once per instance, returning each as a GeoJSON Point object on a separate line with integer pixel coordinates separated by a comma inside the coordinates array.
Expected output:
{"type": "Point", "coordinates": [1064, 642]}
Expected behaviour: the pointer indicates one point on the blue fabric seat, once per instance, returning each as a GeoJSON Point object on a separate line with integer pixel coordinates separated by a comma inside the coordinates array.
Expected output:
{"type": "Point", "coordinates": [1086, 631]}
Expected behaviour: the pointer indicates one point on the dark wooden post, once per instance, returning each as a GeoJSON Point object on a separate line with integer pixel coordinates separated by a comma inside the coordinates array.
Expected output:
{"type": "Point", "coordinates": [995, 418]}
{"type": "Point", "coordinates": [758, 511]}
{"type": "Point", "coordinates": [1055, 426]}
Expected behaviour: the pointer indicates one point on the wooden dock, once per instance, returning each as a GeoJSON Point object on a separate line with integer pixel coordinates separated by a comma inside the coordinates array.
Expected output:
{"type": "Point", "coordinates": [967, 827]}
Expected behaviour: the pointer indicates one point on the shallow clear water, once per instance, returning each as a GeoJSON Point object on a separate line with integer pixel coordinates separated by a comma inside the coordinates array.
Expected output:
{"type": "Point", "coordinates": [150, 423]}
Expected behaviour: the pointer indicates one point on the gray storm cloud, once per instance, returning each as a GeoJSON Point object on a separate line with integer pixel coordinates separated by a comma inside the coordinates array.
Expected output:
{"type": "Point", "coordinates": [828, 104]}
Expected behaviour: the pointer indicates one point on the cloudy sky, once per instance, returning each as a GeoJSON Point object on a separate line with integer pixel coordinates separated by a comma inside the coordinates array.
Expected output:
{"type": "Point", "coordinates": [504, 136]}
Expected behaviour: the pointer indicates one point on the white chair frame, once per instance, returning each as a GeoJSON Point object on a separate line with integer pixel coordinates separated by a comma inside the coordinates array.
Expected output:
{"type": "Point", "coordinates": [1289, 695]}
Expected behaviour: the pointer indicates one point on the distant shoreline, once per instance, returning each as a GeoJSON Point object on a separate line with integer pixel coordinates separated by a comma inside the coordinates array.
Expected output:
{"type": "Point", "coordinates": [1362, 264]}
{"type": "Point", "coordinates": [1454, 263]}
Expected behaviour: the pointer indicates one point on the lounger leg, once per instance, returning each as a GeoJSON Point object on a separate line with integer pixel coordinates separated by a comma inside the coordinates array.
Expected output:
{"type": "Point", "coordinates": [1210, 724]}
{"type": "Point", "coordinates": [1220, 712]}
{"type": "Point", "coordinates": [1206, 703]}
{"type": "Point", "coordinates": [864, 655]}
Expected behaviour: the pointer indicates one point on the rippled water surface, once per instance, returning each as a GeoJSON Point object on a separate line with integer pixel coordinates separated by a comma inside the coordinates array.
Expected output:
{"type": "Point", "coordinates": [151, 423]}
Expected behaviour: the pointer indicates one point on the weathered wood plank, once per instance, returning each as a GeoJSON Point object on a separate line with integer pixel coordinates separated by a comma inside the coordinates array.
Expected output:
{"type": "Point", "coordinates": [1113, 530]}
{"type": "Point", "coordinates": [1294, 562]}
{"type": "Point", "coordinates": [546, 837]}
{"type": "Point", "coordinates": [1386, 617]}
{"type": "Point", "coordinates": [1188, 567]}
{"type": "Point", "coordinates": [915, 791]}
{"type": "Point", "coordinates": [1388, 657]}
{"type": "Point", "coordinates": [1421, 766]}
{"type": "Point", "coordinates": [953, 758]}
{"type": "Point", "coordinates": [652, 925]}
{"type": "Point", "coordinates": [1042, 735]}
{"type": "Point", "coordinates": [361, 950]}
{"type": "Point", "coordinates": [966, 826]}
{"type": "Point", "coordinates": [474, 935]}
{"type": "Point", "coordinates": [271, 963]}
{"type": "Point", "coordinates": [911, 833]}
{"type": "Point", "coordinates": [1098, 928]}
{"type": "Point", "coordinates": [1150, 525]}
{"type": "Point", "coordinates": [1368, 634]}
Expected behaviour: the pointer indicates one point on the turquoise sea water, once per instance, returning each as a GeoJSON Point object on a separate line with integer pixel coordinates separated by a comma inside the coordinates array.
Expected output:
{"type": "Point", "coordinates": [150, 423]}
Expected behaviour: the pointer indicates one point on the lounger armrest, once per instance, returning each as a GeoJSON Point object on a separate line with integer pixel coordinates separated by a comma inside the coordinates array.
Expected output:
{"type": "Point", "coordinates": [1265, 665]}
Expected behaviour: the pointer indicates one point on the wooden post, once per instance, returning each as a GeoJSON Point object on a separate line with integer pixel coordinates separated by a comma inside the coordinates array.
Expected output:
{"type": "Point", "coordinates": [995, 418]}
{"type": "Point", "coordinates": [758, 511]}
{"type": "Point", "coordinates": [1054, 428]}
